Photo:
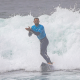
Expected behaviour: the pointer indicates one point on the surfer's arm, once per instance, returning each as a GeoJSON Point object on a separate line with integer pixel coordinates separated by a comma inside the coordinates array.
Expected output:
{"type": "Point", "coordinates": [36, 33]}
{"type": "Point", "coordinates": [30, 33]}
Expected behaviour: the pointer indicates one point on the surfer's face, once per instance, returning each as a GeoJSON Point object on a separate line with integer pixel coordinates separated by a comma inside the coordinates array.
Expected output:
{"type": "Point", "coordinates": [36, 22]}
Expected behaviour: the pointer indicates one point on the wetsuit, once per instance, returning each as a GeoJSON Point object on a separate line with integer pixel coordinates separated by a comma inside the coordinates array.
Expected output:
{"type": "Point", "coordinates": [40, 33]}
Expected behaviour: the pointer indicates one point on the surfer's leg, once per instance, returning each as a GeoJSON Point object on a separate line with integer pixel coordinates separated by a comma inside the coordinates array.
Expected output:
{"type": "Point", "coordinates": [49, 61]}
{"type": "Point", "coordinates": [43, 50]}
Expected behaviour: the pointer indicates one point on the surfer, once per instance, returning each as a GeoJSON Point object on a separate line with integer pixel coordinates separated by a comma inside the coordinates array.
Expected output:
{"type": "Point", "coordinates": [39, 31]}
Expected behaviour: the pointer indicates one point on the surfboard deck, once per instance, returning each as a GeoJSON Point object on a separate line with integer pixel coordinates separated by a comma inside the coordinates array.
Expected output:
{"type": "Point", "coordinates": [47, 67]}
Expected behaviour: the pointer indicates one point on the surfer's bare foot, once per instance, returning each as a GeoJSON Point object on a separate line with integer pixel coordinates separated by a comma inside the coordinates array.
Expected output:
{"type": "Point", "coordinates": [50, 63]}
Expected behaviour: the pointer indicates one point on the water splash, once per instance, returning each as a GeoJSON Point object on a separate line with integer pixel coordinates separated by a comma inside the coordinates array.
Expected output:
{"type": "Point", "coordinates": [18, 51]}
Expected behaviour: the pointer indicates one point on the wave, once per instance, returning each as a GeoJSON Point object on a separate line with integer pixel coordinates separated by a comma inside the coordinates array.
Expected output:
{"type": "Point", "coordinates": [18, 51]}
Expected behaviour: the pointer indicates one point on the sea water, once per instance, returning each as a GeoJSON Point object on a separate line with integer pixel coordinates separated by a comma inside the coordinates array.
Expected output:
{"type": "Point", "coordinates": [56, 75]}
{"type": "Point", "coordinates": [20, 57]}
{"type": "Point", "coordinates": [19, 51]}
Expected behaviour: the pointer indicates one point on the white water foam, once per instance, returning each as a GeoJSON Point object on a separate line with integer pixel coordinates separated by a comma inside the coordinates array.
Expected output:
{"type": "Point", "coordinates": [19, 51]}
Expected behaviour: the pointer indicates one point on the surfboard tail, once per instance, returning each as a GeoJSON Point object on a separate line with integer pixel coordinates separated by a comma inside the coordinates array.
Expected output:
{"type": "Point", "coordinates": [47, 67]}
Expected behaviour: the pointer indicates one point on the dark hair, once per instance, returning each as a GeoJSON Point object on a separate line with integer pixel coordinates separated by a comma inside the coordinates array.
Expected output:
{"type": "Point", "coordinates": [36, 18]}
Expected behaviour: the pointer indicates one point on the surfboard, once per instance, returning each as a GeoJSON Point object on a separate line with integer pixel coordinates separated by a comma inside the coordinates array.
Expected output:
{"type": "Point", "coordinates": [47, 67]}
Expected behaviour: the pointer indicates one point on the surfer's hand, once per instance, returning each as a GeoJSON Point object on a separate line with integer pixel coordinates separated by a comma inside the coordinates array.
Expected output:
{"type": "Point", "coordinates": [28, 29]}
